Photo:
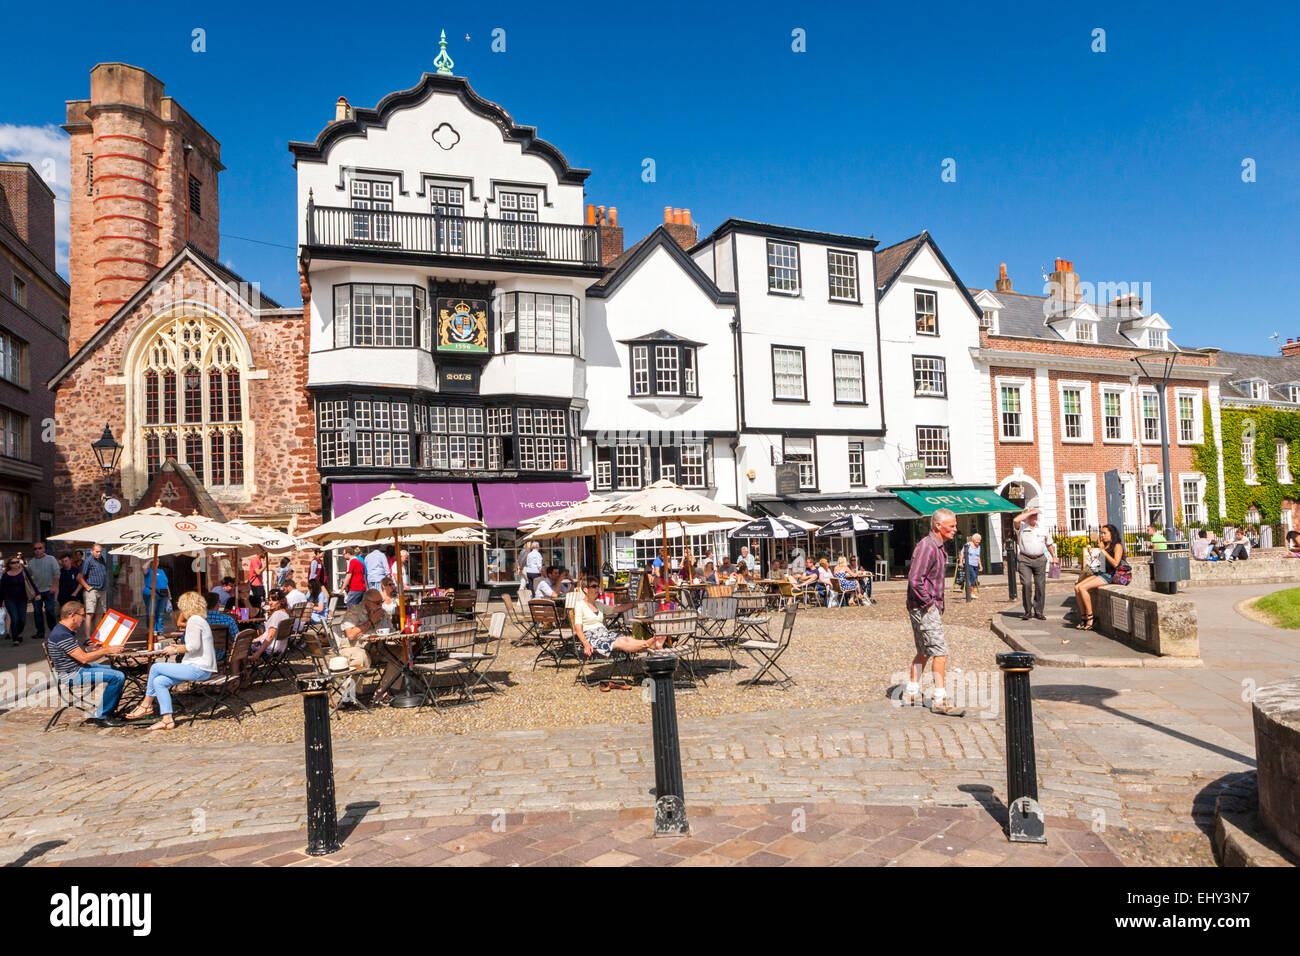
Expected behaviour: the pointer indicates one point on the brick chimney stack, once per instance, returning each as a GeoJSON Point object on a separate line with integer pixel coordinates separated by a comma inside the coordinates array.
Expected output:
{"type": "Point", "coordinates": [143, 183]}
{"type": "Point", "coordinates": [27, 207]}
{"type": "Point", "coordinates": [1065, 282]}
{"type": "Point", "coordinates": [1004, 281]}
{"type": "Point", "coordinates": [1129, 302]}
{"type": "Point", "coordinates": [679, 226]}
{"type": "Point", "coordinates": [1291, 348]}
{"type": "Point", "coordinates": [611, 233]}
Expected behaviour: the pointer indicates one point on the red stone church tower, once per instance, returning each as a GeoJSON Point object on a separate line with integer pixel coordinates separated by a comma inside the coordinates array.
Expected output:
{"type": "Point", "coordinates": [144, 183]}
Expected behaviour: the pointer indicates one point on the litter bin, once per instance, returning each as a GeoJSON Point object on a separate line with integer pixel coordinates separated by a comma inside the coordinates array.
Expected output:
{"type": "Point", "coordinates": [1170, 566]}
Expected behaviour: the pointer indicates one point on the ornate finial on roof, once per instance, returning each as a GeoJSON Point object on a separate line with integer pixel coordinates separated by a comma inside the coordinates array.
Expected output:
{"type": "Point", "coordinates": [443, 61]}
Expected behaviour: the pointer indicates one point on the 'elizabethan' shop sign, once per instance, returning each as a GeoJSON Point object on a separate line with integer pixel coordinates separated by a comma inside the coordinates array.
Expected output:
{"type": "Point", "coordinates": [462, 326]}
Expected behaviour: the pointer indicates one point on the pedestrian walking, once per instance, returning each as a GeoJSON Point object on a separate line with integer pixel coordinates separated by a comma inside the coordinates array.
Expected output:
{"type": "Point", "coordinates": [971, 558]}
{"type": "Point", "coordinates": [354, 578]}
{"type": "Point", "coordinates": [1033, 545]}
{"type": "Point", "coordinates": [926, 577]}
{"type": "Point", "coordinates": [533, 566]}
{"type": "Point", "coordinates": [43, 569]}
{"type": "Point", "coordinates": [94, 589]}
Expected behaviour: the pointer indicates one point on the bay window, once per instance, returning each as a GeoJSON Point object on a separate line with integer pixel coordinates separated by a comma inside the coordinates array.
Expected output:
{"type": "Point", "coordinates": [538, 322]}
{"type": "Point", "coordinates": [369, 315]}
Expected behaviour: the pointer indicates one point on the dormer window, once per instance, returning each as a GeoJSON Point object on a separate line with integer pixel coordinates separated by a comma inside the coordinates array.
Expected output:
{"type": "Point", "coordinates": [1085, 332]}
{"type": "Point", "coordinates": [1293, 394]}
{"type": "Point", "coordinates": [1258, 389]}
{"type": "Point", "coordinates": [663, 364]}
{"type": "Point", "coordinates": [986, 320]}
{"type": "Point", "coordinates": [1156, 339]}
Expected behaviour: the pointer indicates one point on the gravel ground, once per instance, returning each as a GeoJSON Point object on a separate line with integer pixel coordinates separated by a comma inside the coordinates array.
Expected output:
{"type": "Point", "coordinates": [837, 656]}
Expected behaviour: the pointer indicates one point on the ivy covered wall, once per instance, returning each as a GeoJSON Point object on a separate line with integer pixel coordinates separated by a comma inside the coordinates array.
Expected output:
{"type": "Point", "coordinates": [1270, 424]}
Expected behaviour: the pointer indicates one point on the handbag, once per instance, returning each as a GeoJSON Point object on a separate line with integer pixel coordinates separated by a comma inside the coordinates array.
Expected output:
{"type": "Point", "coordinates": [1054, 570]}
{"type": "Point", "coordinates": [1123, 574]}
{"type": "Point", "coordinates": [29, 586]}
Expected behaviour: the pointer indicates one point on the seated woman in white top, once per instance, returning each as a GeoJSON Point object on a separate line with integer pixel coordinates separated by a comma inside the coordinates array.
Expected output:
{"type": "Point", "coordinates": [198, 664]}
{"type": "Point", "coordinates": [589, 625]}
{"type": "Point", "coordinates": [275, 613]}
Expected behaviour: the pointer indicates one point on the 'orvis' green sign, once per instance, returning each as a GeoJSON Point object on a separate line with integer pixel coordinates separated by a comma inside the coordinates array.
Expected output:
{"type": "Point", "coordinates": [962, 501]}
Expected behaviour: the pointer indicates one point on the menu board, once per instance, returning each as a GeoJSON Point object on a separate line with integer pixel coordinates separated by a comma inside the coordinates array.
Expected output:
{"type": "Point", "coordinates": [114, 629]}
{"type": "Point", "coordinates": [636, 582]}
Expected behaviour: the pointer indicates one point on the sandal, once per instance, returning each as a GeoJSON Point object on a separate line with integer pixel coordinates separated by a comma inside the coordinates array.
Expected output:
{"type": "Point", "coordinates": [138, 713]}
{"type": "Point", "coordinates": [165, 724]}
{"type": "Point", "coordinates": [605, 687]}
{"type": "Point", "coordinates": [1085, 624]}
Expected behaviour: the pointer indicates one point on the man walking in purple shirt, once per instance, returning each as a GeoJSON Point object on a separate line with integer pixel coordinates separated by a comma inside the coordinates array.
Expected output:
{"type": "Point", "coordinates": [926, 577]}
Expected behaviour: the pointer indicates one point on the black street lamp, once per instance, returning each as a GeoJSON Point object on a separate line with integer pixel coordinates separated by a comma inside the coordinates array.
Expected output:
{"type": "Point", "coordinates": [107, 452]}
{"type": "Point", "coordinates": [1157, 368]}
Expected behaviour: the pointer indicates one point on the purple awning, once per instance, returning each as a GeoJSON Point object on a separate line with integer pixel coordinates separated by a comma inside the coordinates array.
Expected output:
{"type": "Point", "coordinates": [508, 503]}
{"type": "Point", "coordinates": [457, 497]}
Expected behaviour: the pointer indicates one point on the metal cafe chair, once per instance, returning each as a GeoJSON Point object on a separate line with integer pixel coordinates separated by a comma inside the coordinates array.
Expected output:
{"type": "Point", "coordinates": [715, 616]}
{"type": "Point", "coordinates": [479, 661]}
{"type": "Point", "coordinates": [71, 696]}
{"type": "Point", "coordinates": [751, 622]}
{"type": "Point", "coordinates": [768, 652]}
{"type": "Point", "coordinates": [516, 617]}
{"type": "Point", "coordinates": [341, 685]}
{"type": "Point", "coordinates": [448, 642]}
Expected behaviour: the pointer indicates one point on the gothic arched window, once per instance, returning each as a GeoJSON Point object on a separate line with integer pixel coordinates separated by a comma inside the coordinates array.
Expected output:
{"type": "Point", "coordinates": [193, 403]}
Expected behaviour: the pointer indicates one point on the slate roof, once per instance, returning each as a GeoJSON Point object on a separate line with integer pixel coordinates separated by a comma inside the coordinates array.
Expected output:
{"type": "Point", "coordinates": [1025, 316]}
{"type": "Point", "coordinates": [891, 259]}
{"type": "Point", "coordinates": [1277, 370]}
{"type": "Point", "coordinates": [253, 293]}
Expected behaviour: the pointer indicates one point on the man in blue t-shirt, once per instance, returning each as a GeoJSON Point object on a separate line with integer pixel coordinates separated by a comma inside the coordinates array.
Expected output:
{"type": "Point", "coordinates": [156, 586]}
{"type": "Point", "coordinates": [72, 665]}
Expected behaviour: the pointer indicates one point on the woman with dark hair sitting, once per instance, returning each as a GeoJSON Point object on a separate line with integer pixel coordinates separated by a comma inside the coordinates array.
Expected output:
{"type": "Point", "coordinates": [1112, 556]}
{"type": "Point", "coordinates": [589, 626]}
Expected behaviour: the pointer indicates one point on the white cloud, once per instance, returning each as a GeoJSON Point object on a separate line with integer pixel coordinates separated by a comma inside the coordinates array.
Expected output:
{"type": "Point", "coordinates": [46, 148]}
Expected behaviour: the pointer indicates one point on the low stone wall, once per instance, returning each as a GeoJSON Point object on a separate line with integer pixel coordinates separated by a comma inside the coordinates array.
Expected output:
{"type": "Point", "coordinates": [1277, 759]}
{"type": "Point", "coordinates": [1162, 624]}
{"type": "Point", "coordinates": [1262, 567]}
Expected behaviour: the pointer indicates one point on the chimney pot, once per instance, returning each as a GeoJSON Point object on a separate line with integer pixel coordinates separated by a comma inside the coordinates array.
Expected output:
{"type": "Point", "coordinates": [1004, 281]}
{"type": "Point", "coordinates": [686, 214]}
{"type": "Point", "coordinates": [591, 214]}
{"type": "Point", "coordinates": [668, 214]}
{"type": "Point", "coordinates": [613, 215]}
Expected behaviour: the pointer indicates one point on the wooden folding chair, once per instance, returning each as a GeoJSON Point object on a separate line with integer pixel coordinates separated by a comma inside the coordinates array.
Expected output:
{"type": "Point", "coordinates": [550, 628]}
{"type": "Point", "coordinates": [680, 629]}
{"type": "Point", "coordinates": [226, 685]}
{"type": "Point", "coordinates": [516, 617]}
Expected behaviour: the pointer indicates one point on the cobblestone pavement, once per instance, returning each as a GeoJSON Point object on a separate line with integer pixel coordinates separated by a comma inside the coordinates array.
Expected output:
{"type": "Point", "coordinates": [1117, 748]}
{"type": "Point", "coordinates": [766, 835]}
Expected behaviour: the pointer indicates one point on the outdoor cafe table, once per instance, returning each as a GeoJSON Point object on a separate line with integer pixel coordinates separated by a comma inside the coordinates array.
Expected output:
{"type": "Point", "coordinates": [134, 663]}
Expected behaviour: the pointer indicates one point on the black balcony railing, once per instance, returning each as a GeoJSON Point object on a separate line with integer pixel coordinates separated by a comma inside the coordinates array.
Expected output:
{"type": "Point", "coordinates": [435, 234]}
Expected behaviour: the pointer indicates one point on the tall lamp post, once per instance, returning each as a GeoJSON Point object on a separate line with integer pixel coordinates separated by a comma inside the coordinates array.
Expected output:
{"type": "Point", "coordinates": [107, 452]}
{"type": "Point", "coordinates": [1157, 368]}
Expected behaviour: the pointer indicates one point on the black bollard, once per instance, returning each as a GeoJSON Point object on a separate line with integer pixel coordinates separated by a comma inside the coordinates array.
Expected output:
{"type": "Point", "coordinates": [1010, 564]}
{"type": "Point", "coordinates": [670, 802]}
{"type": "Point", "coordinates": [322, 815]}
{"type": "Point", "coordinates": [1025, 822]}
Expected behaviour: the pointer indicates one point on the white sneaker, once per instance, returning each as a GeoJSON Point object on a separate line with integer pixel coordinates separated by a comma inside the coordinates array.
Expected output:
{"type": "Point", "coordinates": [909, 700]}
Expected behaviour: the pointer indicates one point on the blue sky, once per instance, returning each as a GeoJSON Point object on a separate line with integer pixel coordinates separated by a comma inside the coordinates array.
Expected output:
{"type": "Point", "coordinates": [1128, 162]}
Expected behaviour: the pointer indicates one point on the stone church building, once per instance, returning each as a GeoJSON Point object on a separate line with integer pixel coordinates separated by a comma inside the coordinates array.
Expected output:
{"type": "Point", "coordinates": [198, 376]}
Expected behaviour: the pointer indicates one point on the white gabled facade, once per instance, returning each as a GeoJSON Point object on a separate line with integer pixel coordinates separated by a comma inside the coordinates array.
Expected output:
{"type": "Point", "coordinates": [446, 256]}
{"type": "Point", "coordinates": [935, 397]}
{"type": "Point", "coordinates": [809, 367]}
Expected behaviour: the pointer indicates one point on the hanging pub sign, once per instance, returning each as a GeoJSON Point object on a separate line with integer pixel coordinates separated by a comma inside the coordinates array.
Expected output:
{"type": "Point", "coordinates": [787, 479]}
{"type": "Point", "coordinates": [457, 378]}
{"type": "Point", "coordinates": [913, 469]}
{"type": "Point", "coordinates": [462, 326]}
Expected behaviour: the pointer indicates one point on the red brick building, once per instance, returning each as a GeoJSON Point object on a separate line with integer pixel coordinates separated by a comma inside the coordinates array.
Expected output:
{"type": "Point", "coordinates": [1069, 404]}
{"type": "Point", "coordinates": [183, 360]}
{"type": "Point", "coordinates": [33, 344]}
